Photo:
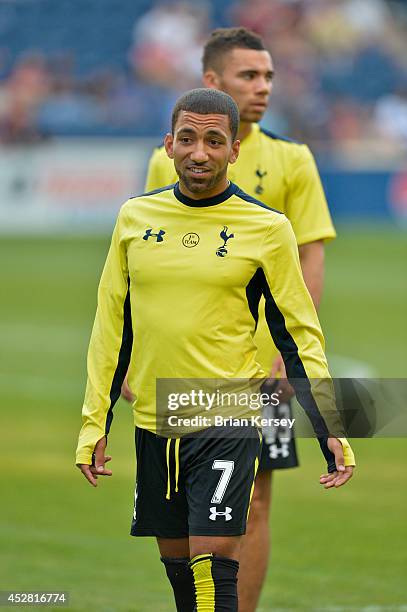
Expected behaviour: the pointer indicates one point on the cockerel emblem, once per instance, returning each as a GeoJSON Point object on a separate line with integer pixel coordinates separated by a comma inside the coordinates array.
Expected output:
{"type": "Point", "coordinates": [222, 250]}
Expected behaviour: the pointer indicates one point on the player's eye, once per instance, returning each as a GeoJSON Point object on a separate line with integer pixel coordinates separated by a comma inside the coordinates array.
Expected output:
{"type": "Point", "coordinates": [185, 139]}
{"type": "Point", "coordinates": [214, 143]}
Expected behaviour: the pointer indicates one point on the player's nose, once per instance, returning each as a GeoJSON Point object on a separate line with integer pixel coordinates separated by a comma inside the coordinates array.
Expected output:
{"type": "Point", "coordinates": [263, 86]}
{"type": "Point", "coordinates": [199, 154]}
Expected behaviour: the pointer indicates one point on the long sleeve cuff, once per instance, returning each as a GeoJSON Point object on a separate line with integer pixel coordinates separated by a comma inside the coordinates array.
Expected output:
{"type": "Point", "coordinates": [88, 438]}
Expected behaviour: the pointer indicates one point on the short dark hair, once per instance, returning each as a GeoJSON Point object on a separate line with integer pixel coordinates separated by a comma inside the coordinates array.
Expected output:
{"type": "Point", "coordinates": [223, 40]}
{"type": "Point", "coordinates": [205, 102]}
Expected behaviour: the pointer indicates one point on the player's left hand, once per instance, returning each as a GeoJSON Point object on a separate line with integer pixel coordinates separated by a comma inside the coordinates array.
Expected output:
{"type": "Point", "coordinates": [342, 473]}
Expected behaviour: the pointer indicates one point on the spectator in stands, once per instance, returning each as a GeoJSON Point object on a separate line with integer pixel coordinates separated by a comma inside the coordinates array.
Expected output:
{"type": "Point", "coordinates": [168, 41]}
{"type": "Point", "coordinates": [21, 96]}
{"type": "Point", "coordinates": [341, 62]}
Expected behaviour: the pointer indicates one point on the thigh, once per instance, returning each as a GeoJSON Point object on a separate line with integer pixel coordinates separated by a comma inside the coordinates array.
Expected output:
{"type": "Point", "coordinates": [173, 547]}
{"type": "Point", "coordinates": [219, 480]}
{"type": "Point", "coordinates": [160, 507]}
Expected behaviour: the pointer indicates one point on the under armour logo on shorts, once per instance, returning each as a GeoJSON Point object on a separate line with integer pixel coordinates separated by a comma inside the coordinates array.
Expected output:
{"type": "Point", "coordinates": [275, 451]}
{"type": "Point", "coordinates": [227, 514]}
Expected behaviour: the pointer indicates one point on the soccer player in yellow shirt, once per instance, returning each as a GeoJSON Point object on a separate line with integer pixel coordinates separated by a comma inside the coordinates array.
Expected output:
{"type": "Point", "coordinates": [178, 299]}
{"type": "Point", "coordinates": [283, 175]}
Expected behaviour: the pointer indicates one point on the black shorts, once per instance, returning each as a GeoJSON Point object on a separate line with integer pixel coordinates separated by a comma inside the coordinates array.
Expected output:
{"type": "Point", "coordinates": [279, 449]}
{"type": "Point", "coordinates": [196, 485]}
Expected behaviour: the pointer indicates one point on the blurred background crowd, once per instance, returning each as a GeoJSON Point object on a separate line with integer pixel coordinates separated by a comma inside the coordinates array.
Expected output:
{"type": "Point", "coordinates": [115, 67]}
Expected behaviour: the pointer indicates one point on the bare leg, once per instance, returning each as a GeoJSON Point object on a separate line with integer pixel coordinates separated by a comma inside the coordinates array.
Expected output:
{"type": "Point", "coordinates": [223, 546]}
{"type": "Point", "coordinates": [255, 545]}
{"type": "Point", "coordinates": [173, 547]}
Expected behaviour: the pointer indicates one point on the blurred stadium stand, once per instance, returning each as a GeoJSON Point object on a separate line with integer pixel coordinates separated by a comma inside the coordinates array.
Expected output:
{"type": "Point", "coordinates": [113, 68]}
{"type": "Point", "coordinates": [110, 67]}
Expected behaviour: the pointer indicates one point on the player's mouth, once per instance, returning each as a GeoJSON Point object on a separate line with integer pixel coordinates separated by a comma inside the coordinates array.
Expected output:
{"type": "Point", "coordinates": [199, 171]}
{"type": "Point", "coordinates": [261, 106]}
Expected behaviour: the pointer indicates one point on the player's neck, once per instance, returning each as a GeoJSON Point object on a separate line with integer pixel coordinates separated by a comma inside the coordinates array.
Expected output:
{"type": "Point", "coordinates": [245, 129]}
{"type": "Point", "coordinates": [204, 195]}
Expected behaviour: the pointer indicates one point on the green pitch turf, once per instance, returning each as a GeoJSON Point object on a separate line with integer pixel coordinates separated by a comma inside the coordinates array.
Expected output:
{"type": "Point", "coordinates": [332, 551]}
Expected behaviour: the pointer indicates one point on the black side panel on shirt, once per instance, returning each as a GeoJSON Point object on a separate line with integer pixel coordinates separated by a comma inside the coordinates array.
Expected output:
{"type": "Point", "coordinates": [294, 366]}
{"type": "Point", "coordinates": [254, 291]}
{"type": "Point", "coordinates": [123, 360]}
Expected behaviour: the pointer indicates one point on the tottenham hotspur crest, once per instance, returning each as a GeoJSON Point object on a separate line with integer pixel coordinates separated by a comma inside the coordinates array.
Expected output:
{"type": "Point", "coordinates": [222, 250]}
{"type": "Point", "coordinates": [260, 175]}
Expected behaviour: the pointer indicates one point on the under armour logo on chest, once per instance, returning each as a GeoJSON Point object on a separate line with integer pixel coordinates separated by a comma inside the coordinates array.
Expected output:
{"type": "Point", "coordinates": [158, 237]}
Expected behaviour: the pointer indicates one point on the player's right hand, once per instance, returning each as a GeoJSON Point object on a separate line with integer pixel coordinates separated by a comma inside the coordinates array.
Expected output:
{"type": "Point", "coordinates": [91, 472]}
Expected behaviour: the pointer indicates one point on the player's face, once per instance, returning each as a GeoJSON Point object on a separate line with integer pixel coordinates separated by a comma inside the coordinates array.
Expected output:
{"type": "Point", "coordinates": [246, 75]}
{"type": "Point", "coordinates": [202, 147]}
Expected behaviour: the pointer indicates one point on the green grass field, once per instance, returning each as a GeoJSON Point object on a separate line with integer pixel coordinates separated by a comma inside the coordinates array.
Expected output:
{"type": "Point", "coordinates": [332, 551]}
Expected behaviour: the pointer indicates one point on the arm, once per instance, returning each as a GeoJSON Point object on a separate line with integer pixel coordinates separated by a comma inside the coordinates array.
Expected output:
{"type": "Point", "coordinates": [108, 355]}
{"type": "Point", "coordinates": [312, 266]}
{"type": "Point", "coordinates": [294, 325]}
{"type": "Point", "coordinates": [308, 213]}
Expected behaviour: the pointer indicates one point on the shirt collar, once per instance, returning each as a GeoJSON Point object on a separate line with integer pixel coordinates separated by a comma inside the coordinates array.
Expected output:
{"type": "Point", "coordinates": [217, 199]}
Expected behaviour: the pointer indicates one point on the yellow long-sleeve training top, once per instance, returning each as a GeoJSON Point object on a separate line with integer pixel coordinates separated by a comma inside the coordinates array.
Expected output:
{"type": "Point", "coordinates": [178, 298]}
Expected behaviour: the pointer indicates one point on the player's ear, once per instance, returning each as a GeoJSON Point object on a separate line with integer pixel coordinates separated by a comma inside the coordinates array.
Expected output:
{"type": "Point", "coordinates": [234, 153]}
{"type": "Point", "coordinates": [169, 145]}
{"type": "Point", "coordinates": [211, 79]}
